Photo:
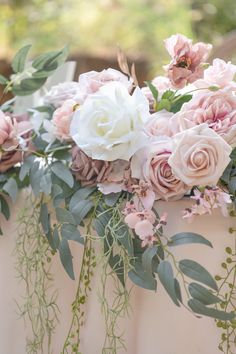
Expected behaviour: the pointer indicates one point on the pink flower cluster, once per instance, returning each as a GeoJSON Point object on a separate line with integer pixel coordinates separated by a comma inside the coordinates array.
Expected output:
{"type": "Point", "coordinates": [206, 201]}
{"type": "Point", "coordinates": [143, 222]}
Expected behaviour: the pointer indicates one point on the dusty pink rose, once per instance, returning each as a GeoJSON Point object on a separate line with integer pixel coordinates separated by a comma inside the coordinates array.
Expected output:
{"type": "Point", "coordinates": [187, 59]}
{"type": "Point", "coordinates": [219, 74]}
{"type": "Point", "coordinates": [90, 82]}
{"type": "Point", "coordinates": [159, 124]}
{"type": "Point", "coordinates": [58, 94]}
{"type": "Point", "coordinates": [14, 132]}
{"type": "Point", "coordinates": [151, 165]}
{"type": "Point", "coordinates": [216, 109]}
{"type": "Point", "coordinates": [61, 120]}
{"type": "Point", "coordinates": [199, 156]}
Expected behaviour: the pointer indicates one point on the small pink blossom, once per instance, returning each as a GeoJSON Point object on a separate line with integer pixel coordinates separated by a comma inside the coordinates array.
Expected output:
{"type": "Point", "coordinates": [159, 124]}
{"type": "Point", "coordinates": [187, 59]}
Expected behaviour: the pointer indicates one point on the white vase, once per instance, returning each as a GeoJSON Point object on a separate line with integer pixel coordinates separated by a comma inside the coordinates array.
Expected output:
{"type": "Point", "coordinates": [155, 326]}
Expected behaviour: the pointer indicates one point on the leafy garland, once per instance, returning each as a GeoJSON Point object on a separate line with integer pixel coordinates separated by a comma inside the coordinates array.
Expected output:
{"type": "Point", "coordinates": [66, 211]}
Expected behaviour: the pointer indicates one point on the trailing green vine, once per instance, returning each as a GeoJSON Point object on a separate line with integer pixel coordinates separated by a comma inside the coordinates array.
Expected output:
{"type": "Point", "coordinates": [33, 266]}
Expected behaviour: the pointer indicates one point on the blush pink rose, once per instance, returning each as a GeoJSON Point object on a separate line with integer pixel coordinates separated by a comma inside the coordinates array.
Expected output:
{"type": "Point", "coordinates": [60, 93]}
{"type": "Point", "coordinates": [90, 82]}
{"type": "Point", "coordinates": [220, 74]}
{"type": "Point", "coordinates": [151, 165]}
{"type": "Point", "coordinates": [187, 59]}
{"type": "Point", "coordinates": [159, 124]}
{"type": "Point", "coordinates": [216, 109]}
{"type": "Point", "coordinates": [14, 132]}
{"type": "Point", "coordinates": [61, 120]}
{"type": "Point", "coordinates": [199, 156]}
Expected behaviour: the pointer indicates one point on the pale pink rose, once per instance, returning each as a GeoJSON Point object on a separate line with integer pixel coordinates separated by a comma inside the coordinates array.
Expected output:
{"type": "Point", "coordinates": [220, 74]}
{"type": "Point", "coordinates": [90, 82]}
{"type": "Point", "coordinates": [61, 120]}
{"type": "Point", "coordinates": [187, 59]}
{"type": "Point", "coordinates": [151, 165]}
{"type": "Point", "coordinates": [199, 156]}
{"type": "Point", "coordinates": [159, 124]}
{"type": "Point", "coordinates": [14, 137]}
{"type": "Point", "coordinates": [60, 93]}
{"type": "Point", "coordinates": [217, 109]}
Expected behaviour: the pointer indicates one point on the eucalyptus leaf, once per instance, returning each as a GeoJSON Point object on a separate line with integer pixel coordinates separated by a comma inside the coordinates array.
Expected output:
{"type": "Point", "coordinates": [62, 172]}
{"type": "Point", "coordinates": [197, 272]}
{"type": "Point", "coordinates": [64, 216]}
{"type": "Point", "coordinates": [18, 62]}
{"type": "Point", "coordinates": [3, 80]}
{"type": "Point", "coordinates": [5, 210]}
{"type": "Point", "coordinates": [178, 291]}
{"type": "Point", "coordinates": [111, 199]}
{"type": "Point", "coordinates": [44, 218]}
{"type": "Point", "coordinates": [51, 60]}
{"type": "Point", "coordinates": [81, 209]}
{"type": "Point", "coordinates": [202, 294]}
{"type": "Point", "coordinates": [142, 278]}
{"type": "Point", "coordinates": [165, 273]}
{"type": "Point", "coordinates": [199, 308]}
{"type": "Point", "coordinates": [117, 265]}
{"type": "Point", "coordinates": [66, 258]}
{"type": "Point", "coordinates": [10, 187]}
{"type": "Point", "coordinates": [28, 86]}
{"type": "Point", "coordinates": [46, 183]}
{"type": "Point", "coordinates": [80, 195]}
{"type": "Point", "coordinates": [25, 167]}
{"type": "Point", "coordinates": [147, 258]}
{"type": "Point", "coordinates": [70, 232]}
{"type": "Point", "coordinates": [188, 238]}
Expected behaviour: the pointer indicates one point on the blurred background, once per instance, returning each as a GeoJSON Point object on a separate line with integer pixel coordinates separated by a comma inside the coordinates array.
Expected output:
{"type": "Point", "coordinates": [95, 28]}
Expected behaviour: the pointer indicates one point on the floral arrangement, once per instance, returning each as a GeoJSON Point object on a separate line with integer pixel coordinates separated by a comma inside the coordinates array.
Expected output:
{"type": "Point", "coordinates": [98, 155]}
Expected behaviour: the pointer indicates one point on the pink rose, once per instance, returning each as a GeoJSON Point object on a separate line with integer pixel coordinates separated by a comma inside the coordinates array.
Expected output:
{"type": "Point", "coordinates": [61, 120]}
{"type": "Point", "coordinates": [199, 156]}
{"type": "Point", "coordinates": [91, 81]}
{"type": "Point", "coordinates": [58, 94]}
{"type": "Point", "coordinates": [159, 124]}
{"type": "Point", "coordinates": [217, 109]}
{"type": "Point", "coordinates": [220, 74]}
{"type": "Point", "coordinates": [151, 165]}
{"type": "Point", "coordinates": [187, 59]}
{"type": "Point", "coordinates": [14, 132]}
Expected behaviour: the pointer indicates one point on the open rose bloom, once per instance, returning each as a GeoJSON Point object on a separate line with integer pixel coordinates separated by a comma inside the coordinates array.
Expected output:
{"type": "Point", "coordinates": [14, 132]}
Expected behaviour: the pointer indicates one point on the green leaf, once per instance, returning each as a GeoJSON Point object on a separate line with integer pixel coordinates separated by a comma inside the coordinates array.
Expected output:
{"type": "Point", "coordinates": [66, 258]}
{"type": "Point", "coordinates": [164, 104]}
{"type": "Point", "coordinates": [197, 272]}
{"type": "Point", "coordinates": [178, 290]}
{"type": "Point", "coordinates": [3, 80]}
{"type": "Point", "coordinates": [18, 62]}
{"type": "Point", "coordinates": [28, 86]}
{"type": "Point", "coordinates": [183, 238]}
{"type": "Point", "coordinates": [111, 199]}
{"type": "Point", "coordinates": [81, 210]}
{"type": "Point", "coordinates": [70, 232]}
{"type": "Point", "coordinates": [142, 278]}
{"type": "Point", "coordinates": [35, 178]}
{"type": "Point", "coordinates": [227, 172]}
{"type": "Point", "coordinates": [165, 273]}
{"type": "Point", "coordinates": [202, 294]}
{"type": "Point", "coordinates": [51, 60]}
{"type": "Point", "coordinates": [81, 194]}
{"type": "Point", "coordinates": [197, 307]}
{"type": "Point", "coordinates": [46, 183]}
{"type": "Point", "coordinates": [25, 168]}
{"type": "Point", "coordinates": [64, 216]}
{"type": "Point", "coordinates": [10, 187]}
{"type": "Point", "coordinates": [44, 218]}
{"type": "Point", "coordinates": [153, 89]}
{"type": "Point", "coordinates": [168, 95]}
{"type": "Point", "coordinates": [147, 258]}
{"type": "Point", "coordinates": [5, 210]}
{"type": "Point", "coordinates": [232, 185]}
{"type": "Point", "coordinates": [176, 106]}
{"type": "Point", "coordinates": [62, 172]}
{"type": "Point", "coordinates": [123, 236]}
{"type": "Point", "coordinates": [117, 265]}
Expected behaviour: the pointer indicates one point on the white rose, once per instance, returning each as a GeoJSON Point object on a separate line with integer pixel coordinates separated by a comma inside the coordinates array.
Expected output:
{"type": "Point", "coordinates": [58, 94]}
{"type": "Point", "coordinates": [110, 123]}
{"type": "Point", "coordinates": [200, 156]}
